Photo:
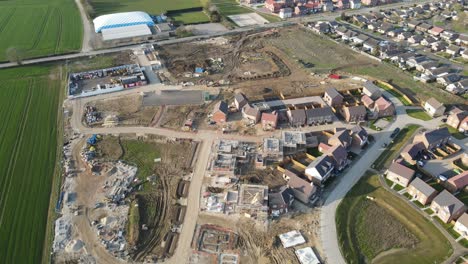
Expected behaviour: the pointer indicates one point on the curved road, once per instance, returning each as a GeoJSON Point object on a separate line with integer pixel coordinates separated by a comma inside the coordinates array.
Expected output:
{"type": "Point", "coordinates": [328, 232]}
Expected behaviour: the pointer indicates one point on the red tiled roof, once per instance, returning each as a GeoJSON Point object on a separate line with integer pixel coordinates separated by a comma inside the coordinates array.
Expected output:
{"type": "Point", "coordinates": [437, 29]}
{"type": "Point", "coordinates": [459, 181]}
{"type": "Point", "coordinates": [382, 104]}
{"type": "Point", "coordinates": [367, 100]}
{"type": "Point", "coordinates": [269, 117]}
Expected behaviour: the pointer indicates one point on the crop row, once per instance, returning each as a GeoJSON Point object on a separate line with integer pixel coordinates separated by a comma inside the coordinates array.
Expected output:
{"type": "Point", "coordinates": [28, 109]}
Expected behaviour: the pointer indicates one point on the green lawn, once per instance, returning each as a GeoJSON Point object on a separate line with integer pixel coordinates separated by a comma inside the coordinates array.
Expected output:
{"type": "Point", "coordinates": [141, 154]}
{"type": "Point", "coordinates": [39, 27]}
{"type": "Point", "coordinates": [393, 149]}
{"type": "Point", "coordinates": [398, 188]}
{"type": "Point", "coordinates": [28, 143]}
{"type": "Point", "coordinates": [418, 114]}
{"type": "Point", "coordinates": [191, 18]}
{"type": "Point", "coordinates": [455, 133]}
{"type": "Point", "coordinates": [394, 224]}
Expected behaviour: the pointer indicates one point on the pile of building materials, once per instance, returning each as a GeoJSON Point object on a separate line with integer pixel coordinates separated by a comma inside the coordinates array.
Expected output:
{"type": "Point", "coordinates": [291, 239]}
{"type": "Point", "coordinates": [111, 226]}
{"type": "Point", "coordinates": [92, 116]}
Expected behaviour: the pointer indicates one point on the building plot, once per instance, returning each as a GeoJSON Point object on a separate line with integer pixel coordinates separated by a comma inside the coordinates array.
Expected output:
{"type": "Point", "coordinates": [250, 19]}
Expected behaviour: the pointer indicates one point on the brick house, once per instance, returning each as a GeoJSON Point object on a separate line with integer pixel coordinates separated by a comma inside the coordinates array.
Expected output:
{"type": "Point", "coordinates": [240, 100]}
{"type": "Point", "coordinates": [461, 226]}
{"type": "Point", "coordinates": [322, 115]}
{"type": "Point", "coordinates": [447, 207]}
{"type": "Point", "coordinates": [421, 191]}
{"type": "Point", "coordinates": [269, 121]}
{"type": "Point", "coordinates": [359, 136]}
{"type": "Point", "coordinates": [433, 138]}
{"type": "Point", "coordinates": [341, 137]}
{"type": "Point", "coordinates": [400, 174]}
{"type": "Point", "coordinates": [320, 169]}
{"type": "Point", "coordinates": [251, 113]}
{"type": "Point", "coordinates": [354, 114]}
{"type": "Point", "coordinates": [303, 190]}
{"type": "Point", "coordinates": [455, 119]}
{"type": "Point", "coordinates": [297, 117]}
{"type": "Point", "coordinates": [332, 97]}
{"type": "Point", "coordinates": [384, 108]}
{"type": "Point", "coordinates": [458, 182]}
{"type": "Point", "coordinates": [411, 152]}
{"type": "Point", "coordinates": [220, 112]}
{"type": "Point", "coordinates": [280, 202]}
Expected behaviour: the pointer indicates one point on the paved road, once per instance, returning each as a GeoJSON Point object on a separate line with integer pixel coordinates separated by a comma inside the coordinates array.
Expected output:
{"type": "Point", "coordinates": [87, 51]}
{"type": "Point", "coordinates": [328, 232]}
{"type": "Point", "coordinates": [456, 65]}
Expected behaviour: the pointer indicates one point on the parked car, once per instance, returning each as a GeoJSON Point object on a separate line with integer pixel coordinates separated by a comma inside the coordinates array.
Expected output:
{"type": "Point", "coordinates": [395, 132]}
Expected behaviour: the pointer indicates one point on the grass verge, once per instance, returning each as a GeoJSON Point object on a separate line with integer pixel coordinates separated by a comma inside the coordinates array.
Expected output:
{"type": "Point", "coordinates": [418, 114]}
{"type": "Point", "coordinates": [400, 219]}
{"type": "Point", "coordinates": [393, 149]}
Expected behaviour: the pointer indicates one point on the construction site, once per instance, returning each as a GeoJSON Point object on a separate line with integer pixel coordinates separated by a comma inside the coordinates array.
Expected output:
{"type": "Point", "coordinates": [82, 84]}
{"type": "Point", "coordinates": [247, 62]}
{"type": "Point", "coordinates": [122, 197]}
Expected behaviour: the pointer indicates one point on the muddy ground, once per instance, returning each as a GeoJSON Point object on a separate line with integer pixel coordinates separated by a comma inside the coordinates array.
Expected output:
{"type": "Point", "coordinates": [129, 110]}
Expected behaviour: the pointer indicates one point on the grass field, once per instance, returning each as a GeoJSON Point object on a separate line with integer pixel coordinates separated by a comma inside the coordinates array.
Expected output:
{"type": "Point", "coordinates": [142, 154]}
{"type": "Point", "coordinates": [326, 55]}
{"type": "Point", "coordinates": [386, 230]}
{"type": "Point", "coordinates": [28, 143]}
{"type": "Point", "coordinates": [191, 18]}
{"type": "Point", "coordinates": [395, 93]}
{"type": "Point", "coordinates": [39, 28]}
{"type": "Point", "coordinates": [418, 114]}
{"type": "Point", "coordinates": [101, 7]}
{"type": "Point", "coordinates": [393, 149]}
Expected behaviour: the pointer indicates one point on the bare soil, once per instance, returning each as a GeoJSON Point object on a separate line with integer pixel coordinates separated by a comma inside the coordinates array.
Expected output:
{"type": "Point", "coordinates": [129, 109]}
{"type": "Point", "coordinates": [268, 177]}
{"type": "Point", "coordinates": [262, 245]}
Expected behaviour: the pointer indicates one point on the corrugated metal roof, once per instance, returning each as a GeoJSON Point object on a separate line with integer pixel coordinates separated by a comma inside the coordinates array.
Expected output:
{"type": "Point", "coordinates": [125, 32]}
{"type": "Point", "coordinates": [124, 19]}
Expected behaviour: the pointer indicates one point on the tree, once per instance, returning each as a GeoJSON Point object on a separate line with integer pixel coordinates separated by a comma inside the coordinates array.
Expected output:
{"type": "Point", "coordinates": [343, 16]}
{"type": "Point", "coordinates": [14, 54]}
{"type": "Point", "coordinates": [183, 32]}
{"type": "Point", "coordinates": [215, 16]}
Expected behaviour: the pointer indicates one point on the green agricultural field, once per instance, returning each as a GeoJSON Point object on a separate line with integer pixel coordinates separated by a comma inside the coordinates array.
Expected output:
{"type": "Point", "coordinates": [39, 28]}
{"type": "Point", "coordinates": [28, 143]}
{"type": "Point", "coordinates": [102, 7]}
{"type": "Point", "coordinates": [190, 17]}
{"type": "Point", "coordinates": [387, 229]}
